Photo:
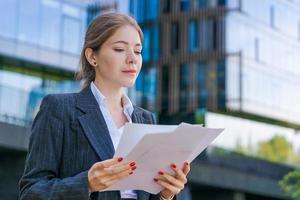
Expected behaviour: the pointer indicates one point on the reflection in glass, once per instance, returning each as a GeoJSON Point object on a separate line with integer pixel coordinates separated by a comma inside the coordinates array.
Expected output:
{"type": "Point", "coordinates": [50, 24]}
{"type": "Point", "coordinates": [184, 86]}
{"type": "Point", "coordinates": [71, 31]}
{"type": "Point", "coordinates": [8, 16]}
{"type": "Point", "coordinates": [28, 21]}
{"type": "Point", "coordinates": [201, 77]}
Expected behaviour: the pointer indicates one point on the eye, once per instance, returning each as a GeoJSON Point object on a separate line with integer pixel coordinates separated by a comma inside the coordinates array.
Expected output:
{"type": "Point", "coordinates": [119, 50]}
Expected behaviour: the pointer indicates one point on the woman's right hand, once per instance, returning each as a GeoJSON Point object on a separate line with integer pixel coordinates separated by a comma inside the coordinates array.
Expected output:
{"type": "Point", "coordinates": [105, 173]}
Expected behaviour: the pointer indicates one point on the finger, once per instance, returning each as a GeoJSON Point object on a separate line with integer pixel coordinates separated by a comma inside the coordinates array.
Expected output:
{"type": "Point", "coordinates": [168, 186]}
{"type": "Point", "coordinates": [119, 168]}
{"type": "Point", "coordinates": [179, 173]}
{"type": "Point", "coordinates": [107, 163]}
{"type": "Point", "coordinates": [109, 180]}
{"type": "Point", "coordinates": [186, 167]}
{"type": "Point", "coordinates": [172, 180]}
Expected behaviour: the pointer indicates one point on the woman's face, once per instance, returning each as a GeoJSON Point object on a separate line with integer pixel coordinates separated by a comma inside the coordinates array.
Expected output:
{"type": "Point", "coordinates": [119, 58]}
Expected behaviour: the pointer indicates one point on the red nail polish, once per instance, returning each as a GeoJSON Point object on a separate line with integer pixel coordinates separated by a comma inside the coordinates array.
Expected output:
{"type": "Point", "coordinates": [161, 173]}
{"type": "Point", "coordinates": [120, 159]}
{"type": "Point", "coordinates": [130, 173]}
{"type": "Point", "coordinates": [132, 164]}
{"type": "Point", "coordinates": [155, 179]}
{"type": "Point", "coordinates": [133, 168]}
{"type": "Point", "coordinates": [173, 166]}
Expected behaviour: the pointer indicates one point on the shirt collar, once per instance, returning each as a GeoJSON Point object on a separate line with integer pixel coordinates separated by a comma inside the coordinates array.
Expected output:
{"type": "Point", "coordinates": [101, 99]}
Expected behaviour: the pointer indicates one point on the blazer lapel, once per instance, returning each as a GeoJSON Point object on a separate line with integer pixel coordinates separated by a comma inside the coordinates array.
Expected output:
{"type": "Point", "coordinates": [93, 124]}
{"type": "Point", "coordinates": [137, 116]}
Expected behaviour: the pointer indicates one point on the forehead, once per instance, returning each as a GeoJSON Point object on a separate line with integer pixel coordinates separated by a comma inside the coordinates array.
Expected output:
{"type": "Point", "coordinates": [125, 33]}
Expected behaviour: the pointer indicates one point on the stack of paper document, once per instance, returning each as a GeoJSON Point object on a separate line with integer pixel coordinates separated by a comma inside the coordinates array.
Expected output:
{"type": "Point", "coordinates": [155, 147]}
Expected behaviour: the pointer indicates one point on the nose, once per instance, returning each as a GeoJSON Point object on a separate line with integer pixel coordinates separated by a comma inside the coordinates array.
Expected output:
{"type": "Point", "coordinates": [131, 58]}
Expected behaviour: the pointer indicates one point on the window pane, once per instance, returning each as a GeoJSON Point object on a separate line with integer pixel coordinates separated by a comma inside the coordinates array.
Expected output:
{"type": "Point", "coordinates": [165, 89]}
{"type": "Point", "coordinates": [166, 6]}
{"type": "Point", "coordinates": [29, 21]}
{"type": "Point", "coordinates": [146, 45]}
{"type": "Point", "coordinates": [139, 88]}
{"type": "Point", "coordinates": [221, 84]}
{"type": "Point", "coordinates": [151, 9]}
{"type": "Point", "coordinates": [174, 37]}
{"type": "Point", "coordinates": [184, 5]}
{"type": "Point", "coordinates": [201, 83]}
{"type": "Point", "coordinates": [156, 42]}
{"type": "Point", "coordinates": [51, 20]}
{"type": "Point", "coordinates": [150, 88]}
{"type": "Point", "coordinates": [8, 18]}
{"type": "Point", "coordinates": [71, 31]}
{"type": "Point", "coordinates": [184, 83]}
{"type": "Point", "coordinates": [193, 36]}
{"type": "Point", "coordinates": [202, 3]}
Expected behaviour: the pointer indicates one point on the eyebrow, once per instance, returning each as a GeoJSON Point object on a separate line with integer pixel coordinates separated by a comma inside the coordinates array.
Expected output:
{"type": "Point", "coordinates": [137, 44]}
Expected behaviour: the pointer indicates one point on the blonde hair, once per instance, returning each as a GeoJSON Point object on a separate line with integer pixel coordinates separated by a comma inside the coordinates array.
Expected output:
{"type": "Point", "coordinates": [100, 29]}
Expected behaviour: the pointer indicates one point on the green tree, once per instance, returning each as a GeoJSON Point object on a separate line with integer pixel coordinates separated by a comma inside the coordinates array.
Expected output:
{"type": "Point", "coordinates": [278, 149]}
{"type": "Point", "coordinates": [291, 184]}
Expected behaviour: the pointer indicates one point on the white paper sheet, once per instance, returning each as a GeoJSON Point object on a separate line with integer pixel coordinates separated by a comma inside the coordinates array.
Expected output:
{"type": "Point", "coordinates": [155, 147]}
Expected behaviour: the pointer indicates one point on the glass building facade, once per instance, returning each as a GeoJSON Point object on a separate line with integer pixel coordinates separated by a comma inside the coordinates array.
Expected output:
{"type": "Point", "coordinates": [262, 40]}
{"type": "Point", "coordinates": [40, 45]}
{"type": "Point", "coordinates": [241, 55]}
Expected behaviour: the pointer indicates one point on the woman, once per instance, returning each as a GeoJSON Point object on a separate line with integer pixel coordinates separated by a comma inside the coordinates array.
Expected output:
{"type": "Point", "coordinates": [74, 135]}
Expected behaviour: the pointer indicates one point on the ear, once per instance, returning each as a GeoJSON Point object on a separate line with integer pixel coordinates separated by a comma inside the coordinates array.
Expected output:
{"type": "Point", "coordinates": [89, 55]}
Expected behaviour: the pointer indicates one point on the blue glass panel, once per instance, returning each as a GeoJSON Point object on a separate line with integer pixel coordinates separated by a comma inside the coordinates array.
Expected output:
{"type": "Point", "coordinates": [139, 87]}
{"type": "Point", "coordinates": [221, 69]}
{"type": "Point", "coordinates": [174, 37]}
{"type": "Point", "coordinates": [152, 9]}
{"type": "Point", "coordinates": [203, 3]}
{"type": "Point", "coordinates": [28, 21]}
{"type": "Point", "coordinates": [165, 88]}
{"type": "Point", "coordinates": [184, 82]}
{"type": "Point", "coordinates": [8, 16]}
{"type": "Point", "coordinates": [150, 88]}
{"type": "Point", "coordinates": [156, 42]}
{"type": "Point", "coordinates": [140, 17]}
{"type": "Point", "coordinates": [92, 12]}
{"type": "Point", "coordinates": [184, 5]}
{"type": "Point", "coordinates": [50, 24]}
{"type": "Point", "coordinates": [131, 7]}
{"type": "Point", "coordinates": [146, 52]}
{"type": "Point", "coordinates": [201, 75]}
{"type": "Point", "coordinates": [193, 36]}
{"type": "Point", "coordinates": [71, 35]}
{"type": "Point", "coordinates": [222, 2]}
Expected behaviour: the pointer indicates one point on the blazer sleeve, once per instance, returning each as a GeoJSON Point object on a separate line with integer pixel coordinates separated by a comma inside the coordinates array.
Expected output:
{"type": "Point", "coordinates": [40, 178]}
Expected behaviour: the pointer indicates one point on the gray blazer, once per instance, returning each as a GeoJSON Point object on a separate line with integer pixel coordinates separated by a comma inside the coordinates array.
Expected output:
{"type": "Point", "coordinates": [69, 135]}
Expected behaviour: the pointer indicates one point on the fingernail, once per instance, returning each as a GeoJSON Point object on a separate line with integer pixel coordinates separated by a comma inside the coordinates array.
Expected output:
{"type": "Point", "coordinates": [132, 164]}
{"type": "Point", "coordinates": [155, 179]}
{"type": "Point", "coordinates": [130, 173]}
{"type": "Point", "coordinates": [173, 166]}
{"type": "Point", "coordinates": [161, 173]}
{"type": "Point", "coordinates": [186, 163]}
{"type": "Point", "coordinates": [120, 159]}
{"type": "Point", "coordinates": [133, 168]}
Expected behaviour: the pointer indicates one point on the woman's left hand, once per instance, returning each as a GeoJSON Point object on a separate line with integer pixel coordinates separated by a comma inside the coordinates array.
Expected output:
{"type": "Point", "coordinates": [173, 184]}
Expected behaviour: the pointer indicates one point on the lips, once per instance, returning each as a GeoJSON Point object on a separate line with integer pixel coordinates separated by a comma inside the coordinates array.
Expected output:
{"type": "Point", "coordinates": [130, 71]}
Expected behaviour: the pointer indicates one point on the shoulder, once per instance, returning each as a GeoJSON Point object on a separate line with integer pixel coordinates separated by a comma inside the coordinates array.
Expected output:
{"type": "Point", "coordinates": [57, 104]}
{"type": "Point", "coordinates": [145, 113]}
{"type": "Point", "coordinates": [59, 99]}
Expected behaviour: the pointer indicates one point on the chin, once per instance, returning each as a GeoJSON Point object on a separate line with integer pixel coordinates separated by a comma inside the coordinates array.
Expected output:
{"type": "Point", "coordinates": [128, 84]}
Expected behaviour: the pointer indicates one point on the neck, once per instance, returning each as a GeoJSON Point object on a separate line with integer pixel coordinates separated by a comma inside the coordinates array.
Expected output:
{"type": "Point", "coordinates": [113, 94]}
